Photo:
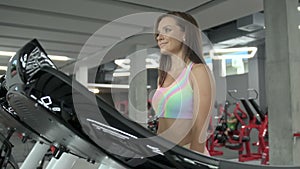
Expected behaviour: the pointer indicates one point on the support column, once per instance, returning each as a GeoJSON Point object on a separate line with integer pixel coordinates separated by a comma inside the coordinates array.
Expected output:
{"type": "Point", "coordinates": [261, 60]}
{"type": "Point", "coordinates": [253, 76]}
{"type": "Point", "coordinates": [137, 96]}
{"type": "Point", "coordinates": [221, 85]}
{"type": "Point", "coordinates": [82, 75]}
{"type": "Point", "coordinates": [283, 80]}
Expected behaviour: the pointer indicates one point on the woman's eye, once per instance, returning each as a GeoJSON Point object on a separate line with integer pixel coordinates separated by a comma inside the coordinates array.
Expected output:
{"type": "Point", "coordinates": [167, 30]}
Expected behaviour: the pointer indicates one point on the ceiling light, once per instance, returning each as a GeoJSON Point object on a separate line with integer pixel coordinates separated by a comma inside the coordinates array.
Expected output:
{"type": "Point", "coordinates": [3, 68]}
{"type": "Point", "coordinates": [52, 57]}
{"type": "Point", "coordinates": [151, 63]}
{"type": "Point", "coordinates": [242, 40]}
{"type": "Point", "coordinates": [298, 8]}
{"type": "Point", "coordinates": [233, 53]}
{"type": "Point", "coordinates": [124, 64]}
{"type": "Point", "coordinates": [59, 58]}
{"type": "Point", "coordinates": [298, 26]}
{"type": "Point", "coordinates": [94, 90]}
{"type": "Point", "coordinates": [6, 53]}
{"type": "Point", "coordinates": [116, 86]}
{"type": "Point", "coordinates": [121, 74]}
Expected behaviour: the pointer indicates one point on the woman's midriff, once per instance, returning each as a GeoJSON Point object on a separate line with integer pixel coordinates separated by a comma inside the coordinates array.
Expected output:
{"type": "Point", "coordinates": [176, 130]}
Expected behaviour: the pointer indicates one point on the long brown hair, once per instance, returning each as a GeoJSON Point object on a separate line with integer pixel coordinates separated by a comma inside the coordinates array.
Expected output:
{"type": "Point", "coordinates": [192, 46]}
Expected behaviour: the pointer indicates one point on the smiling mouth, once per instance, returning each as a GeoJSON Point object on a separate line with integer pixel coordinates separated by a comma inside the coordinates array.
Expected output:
{"type": "Point", "coordinates": [162, 45]}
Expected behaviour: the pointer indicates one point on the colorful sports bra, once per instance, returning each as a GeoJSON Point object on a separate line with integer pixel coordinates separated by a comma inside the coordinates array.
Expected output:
{"type": "Point", "coordinates": [176, 100]}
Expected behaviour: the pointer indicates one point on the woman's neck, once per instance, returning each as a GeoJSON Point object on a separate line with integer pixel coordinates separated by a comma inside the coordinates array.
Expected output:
{"type": "Point", "coordinates": [178, 59]}
{"type": "Point", "coordinates": [178, 63]}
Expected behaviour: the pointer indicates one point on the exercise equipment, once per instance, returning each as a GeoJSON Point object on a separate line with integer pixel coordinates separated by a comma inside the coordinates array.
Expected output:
{"type": "Point", "coordinates": [46, 99]}
{"type": "Point", "coordinates": [10, 119]}
{"type": "Point", "coordinates": [82, 125]}
{"type": "Point", "coordinates": [233, 140]}
{"type": "Point", "coordinates": [6, 158]}
{"type": "Point", "coordinates": [45, 103]}
{"type": "Point", "coordinates": [217, 138]}
{"type": "Point", "coordinates": [245, 153]}
{"type": "Point", "coordinates": [262, 143]}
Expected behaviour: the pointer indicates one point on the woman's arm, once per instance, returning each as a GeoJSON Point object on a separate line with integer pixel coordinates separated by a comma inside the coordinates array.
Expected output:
{"type": "Point", "coordinates": [204, 92]}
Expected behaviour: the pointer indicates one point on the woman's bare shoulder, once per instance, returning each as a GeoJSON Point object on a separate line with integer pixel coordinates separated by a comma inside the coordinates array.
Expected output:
{"type": "Point", "coordinates": [200, 73]}
{"type": "Point", "coordinates": [199, 67]}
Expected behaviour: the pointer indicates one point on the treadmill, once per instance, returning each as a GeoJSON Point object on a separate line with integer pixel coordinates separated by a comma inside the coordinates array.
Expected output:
{"type": "Point", "coordinates": [79, 122]}
{"type": "Point", "coordinates": [28, 96]}
{"type": "Point", "coordinates": [11, 121]}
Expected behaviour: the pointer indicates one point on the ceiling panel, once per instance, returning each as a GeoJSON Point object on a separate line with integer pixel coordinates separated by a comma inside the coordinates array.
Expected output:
{"type": "Point", "coordinates": [226, 11]}
{"type": "Point", "coordinates": [27, 32]}
{"type": "Point", "coordinates": [37, 19]}
{"type": "Point", "coordinates": [48, 45]}
{"type": "Point", "coordinates": [64, 26]}
{"type": "Point", "coordinates": [169, 4]}
{"type": "Point", "coordinates": [105, 10]}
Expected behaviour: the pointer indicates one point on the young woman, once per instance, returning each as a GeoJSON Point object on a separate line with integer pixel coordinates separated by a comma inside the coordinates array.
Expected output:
{"type": "Point", "coordinates": [185, 92]}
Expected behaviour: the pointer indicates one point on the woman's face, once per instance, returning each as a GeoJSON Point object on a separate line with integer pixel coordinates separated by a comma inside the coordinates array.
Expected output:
{"type": "Point", "coordinates": [170, 36]}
